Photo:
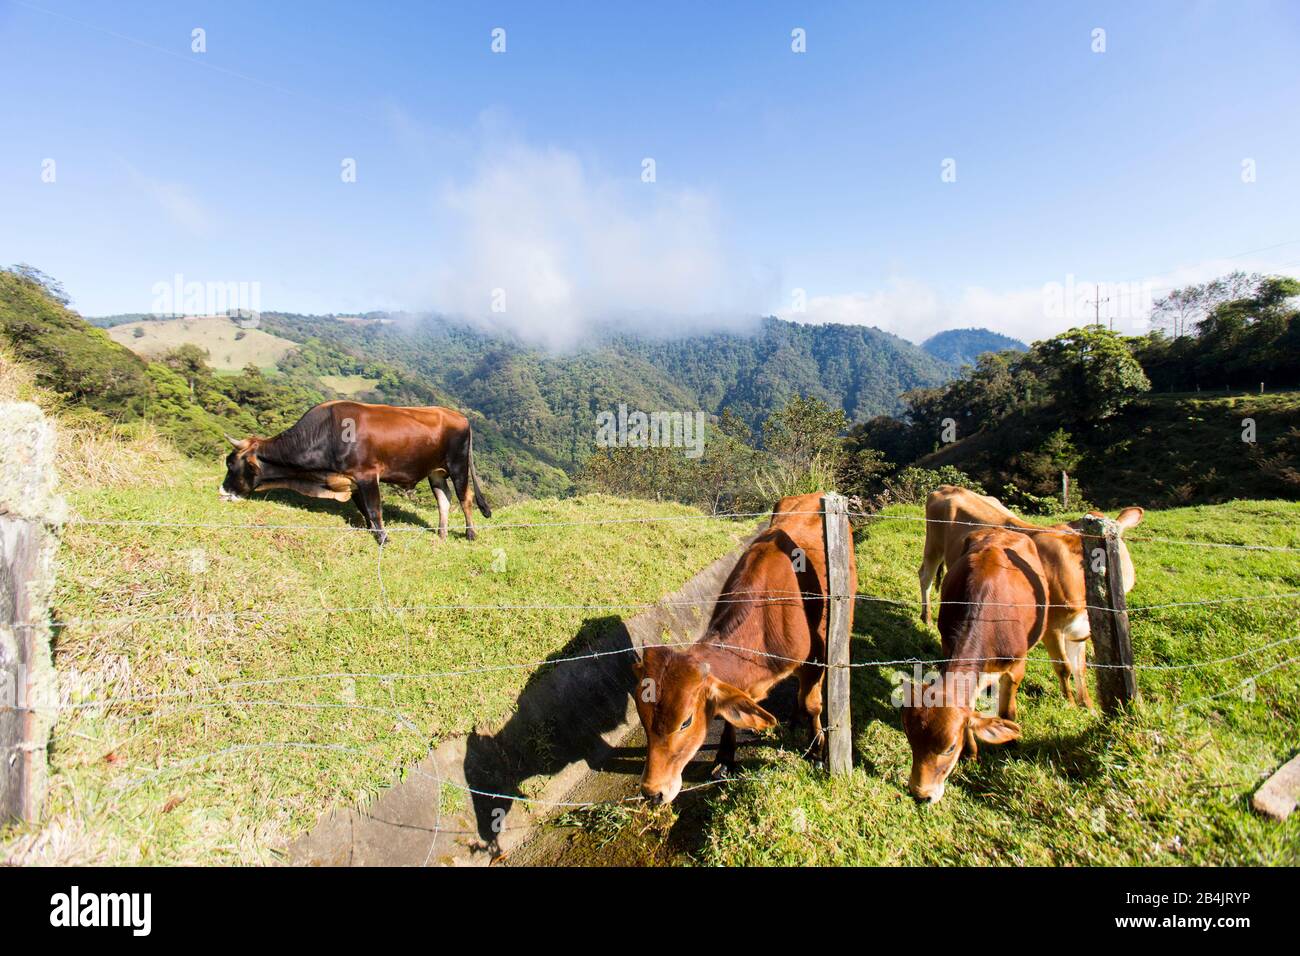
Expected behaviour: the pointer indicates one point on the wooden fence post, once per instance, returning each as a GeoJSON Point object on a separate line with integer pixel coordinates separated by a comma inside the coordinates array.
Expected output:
{"type": "Point", "coordinates": [1108, 612]}
{"type": "Point", "coordinates": [838, 539]}
{"type": "Point", "coordinates": [30, 516]}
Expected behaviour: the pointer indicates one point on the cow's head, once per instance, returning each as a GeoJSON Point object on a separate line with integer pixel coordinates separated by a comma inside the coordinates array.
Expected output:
{"type": "Point", "coordinates": [936, 717]}
{"type": "Point", "coordinates": [676, 697]}
{"type": "Point", "coordinates": [1126, 519]}
{"type": "Point", "coordinates": [242, 467]}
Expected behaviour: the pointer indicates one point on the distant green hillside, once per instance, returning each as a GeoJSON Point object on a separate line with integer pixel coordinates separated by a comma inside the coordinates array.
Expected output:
{"type": "Point", "coordinates": [87, 370]}
{"type": "Point", "coordinates": [1164, 449]}
{"type": "Point", "coordinates": [549, 401]}
{"type": "Point", "coordinates": [964, 346]}
{"type": "Point", "coordinates": [180, 394]}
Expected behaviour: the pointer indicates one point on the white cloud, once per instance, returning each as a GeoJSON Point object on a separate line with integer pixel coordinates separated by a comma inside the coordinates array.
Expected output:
{"type": "Point", "coordinates": [569, 247]}
{"type": "Point", "coordinates": [915, 310]}
{"type": "Point", "coordinates": [177, 202]}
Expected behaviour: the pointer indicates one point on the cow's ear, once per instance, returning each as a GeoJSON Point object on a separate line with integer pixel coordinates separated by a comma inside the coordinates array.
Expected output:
{"type": "Point", "coordinates": [737, 708]}
{"type": "Point", "coordinates": [638, 667]}
{"type": "Point", "coordinates": [1129, 517]}
{"type": "Point", "coordinates": [995, 730]}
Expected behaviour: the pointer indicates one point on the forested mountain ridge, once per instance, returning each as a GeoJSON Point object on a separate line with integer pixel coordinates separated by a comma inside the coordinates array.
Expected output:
{"type": "Point", "coordinates": [194, 407]}
{"type": "Point", "coordinates": [965, 346]}
{"type": "Point", "coordinates": [534, 411]}
{"type": "Point", "coordinates": [549, 400]}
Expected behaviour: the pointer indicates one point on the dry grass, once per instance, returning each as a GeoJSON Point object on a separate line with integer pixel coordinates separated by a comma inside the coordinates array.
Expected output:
{"type": "Point", "coordinates": [17, 383]}
{"type": "Point", "coordinates": [348, 385]}
{"type": "Point", "coordinates": [229, 347]}
{"type": "Point", "coordinates": [95, 452]}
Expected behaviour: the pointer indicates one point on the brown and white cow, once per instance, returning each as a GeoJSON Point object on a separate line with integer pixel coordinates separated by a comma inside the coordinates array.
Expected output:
{"type": "Point", "coordinates": [994, 610]}
{"type": "Point", "coordinates": [761, 631]}
{"type": "Point", "coordinates": [952, 513]}
{"type": "Point", "coordinates": [339, 449]}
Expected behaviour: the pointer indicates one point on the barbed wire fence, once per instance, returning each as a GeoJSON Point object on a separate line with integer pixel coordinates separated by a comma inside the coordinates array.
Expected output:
{"type": "Point", "coordinates": [216, 695]}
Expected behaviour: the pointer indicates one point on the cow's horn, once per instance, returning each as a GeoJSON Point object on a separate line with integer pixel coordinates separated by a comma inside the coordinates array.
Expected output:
{"type": "Point", "coordinates": [234, 441]}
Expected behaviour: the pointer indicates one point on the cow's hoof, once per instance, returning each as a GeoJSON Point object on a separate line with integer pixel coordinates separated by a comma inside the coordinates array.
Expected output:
{"type": "Point", "coordinates": [470, 534]}
{"type": "Point", "coordinates": [722, 771]}
{"type": "Point", "coordinates": [381, 537]}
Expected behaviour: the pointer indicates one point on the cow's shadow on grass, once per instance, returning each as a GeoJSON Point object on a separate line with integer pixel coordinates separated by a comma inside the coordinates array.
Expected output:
{"type": "Point", "coordinates": [397, 510]}
{"type": "Point", "coordinates": [559, 719]}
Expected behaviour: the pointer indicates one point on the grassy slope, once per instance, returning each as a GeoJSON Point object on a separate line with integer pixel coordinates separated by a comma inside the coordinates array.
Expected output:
{"type": "Point", "coordinates": [214, 334]}
{"type": "Point", "coordinates": [1189, 447]}
{"type": "Point", "coordinates": [1176, 449]}
{"type": "Point", "coordinates": [348, 385]}
{"type": "Point", "coordinates": [119, 771]}
{"type": "Point", "coordinates": [1157, 786]}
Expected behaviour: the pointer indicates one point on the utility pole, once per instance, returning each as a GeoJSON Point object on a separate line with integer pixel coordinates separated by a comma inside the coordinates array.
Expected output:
{"type": "Point", "coordinates": [1097, 303]}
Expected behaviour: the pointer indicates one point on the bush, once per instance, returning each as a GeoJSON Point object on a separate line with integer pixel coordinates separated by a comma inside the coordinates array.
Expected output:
{"type": "Point", "coordinates": [912, 484]}
{"type": "Point", "coordinates": [784, 478]}
{"type": "Point", "coordinates": [1028, 502]}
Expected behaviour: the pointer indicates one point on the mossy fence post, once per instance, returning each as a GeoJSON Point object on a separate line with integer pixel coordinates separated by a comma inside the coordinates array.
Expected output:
{"type": "Point", "coordinates": [31, 516]}
{"type": "Point", "coordinates": [1108, 612]}
{"type": "Point", "coordinates": [839, 591]}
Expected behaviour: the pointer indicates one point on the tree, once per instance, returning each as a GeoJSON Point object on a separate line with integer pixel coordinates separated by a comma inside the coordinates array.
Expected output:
{"type": "Point", "coordinates": [1182, 310]}
{"type": "Point", "coordinates": [804, 429]}
{"type": "Point", "coordinates": [1090, 372]}
{"type": "Point", "coordinates": [50, 285]}
{"type": "Point", "coordinates": [721, 474]}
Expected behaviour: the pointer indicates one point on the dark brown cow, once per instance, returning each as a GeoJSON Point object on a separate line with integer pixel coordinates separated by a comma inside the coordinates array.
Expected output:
{"type": "Point", "coordinates": [993, 611]}
{"type": "Point", "coordinates": [762, 631]}
{"type": "Point", "coordinates": [339, 449]}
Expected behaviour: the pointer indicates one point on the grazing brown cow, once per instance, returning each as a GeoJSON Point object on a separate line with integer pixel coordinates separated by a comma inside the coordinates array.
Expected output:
{"type": "Point", "coordinates": [994, 610]}
{"type": "Point", "coordinates": [762, 630]}
{"type": "Point", "coordinates": [339, 449]}
{"type": "Point", "coordinates": [951, 513]}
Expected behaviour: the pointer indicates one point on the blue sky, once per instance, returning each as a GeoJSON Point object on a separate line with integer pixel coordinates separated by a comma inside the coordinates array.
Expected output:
{"type": "Point", "coordinates": [775, 171]}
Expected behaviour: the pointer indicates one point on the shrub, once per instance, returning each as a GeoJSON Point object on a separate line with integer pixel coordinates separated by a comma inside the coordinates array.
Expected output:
{"type": "Point", "coordinates": [784, 478]}
{"type": "Point", "coordinates": [912, 484]}
{"type": "Point", "coordinates": [1028, 502]}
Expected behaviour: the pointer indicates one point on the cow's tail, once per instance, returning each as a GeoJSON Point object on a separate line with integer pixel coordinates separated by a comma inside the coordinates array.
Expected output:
{"type": "Point", "coordinates": [473, 478]}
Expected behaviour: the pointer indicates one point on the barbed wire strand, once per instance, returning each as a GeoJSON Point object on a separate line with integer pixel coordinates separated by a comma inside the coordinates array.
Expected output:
{"type": "Point", "coordinates": [770, 597]}
{"type": "Point", "coordinates": [645, 519]}
{"type": "Point", "coordinates": [594, 655]}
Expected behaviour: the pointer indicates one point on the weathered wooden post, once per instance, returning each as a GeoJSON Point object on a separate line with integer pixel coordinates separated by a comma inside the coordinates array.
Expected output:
{"type": "Point", "coordinates": [1108, 612]}
{"type": "Point", "coordinates": [1065, 490]}
{"type": "Point", "coordinates": [30, 517]}
{"type": "Point", "coordinates": [839, 591]}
